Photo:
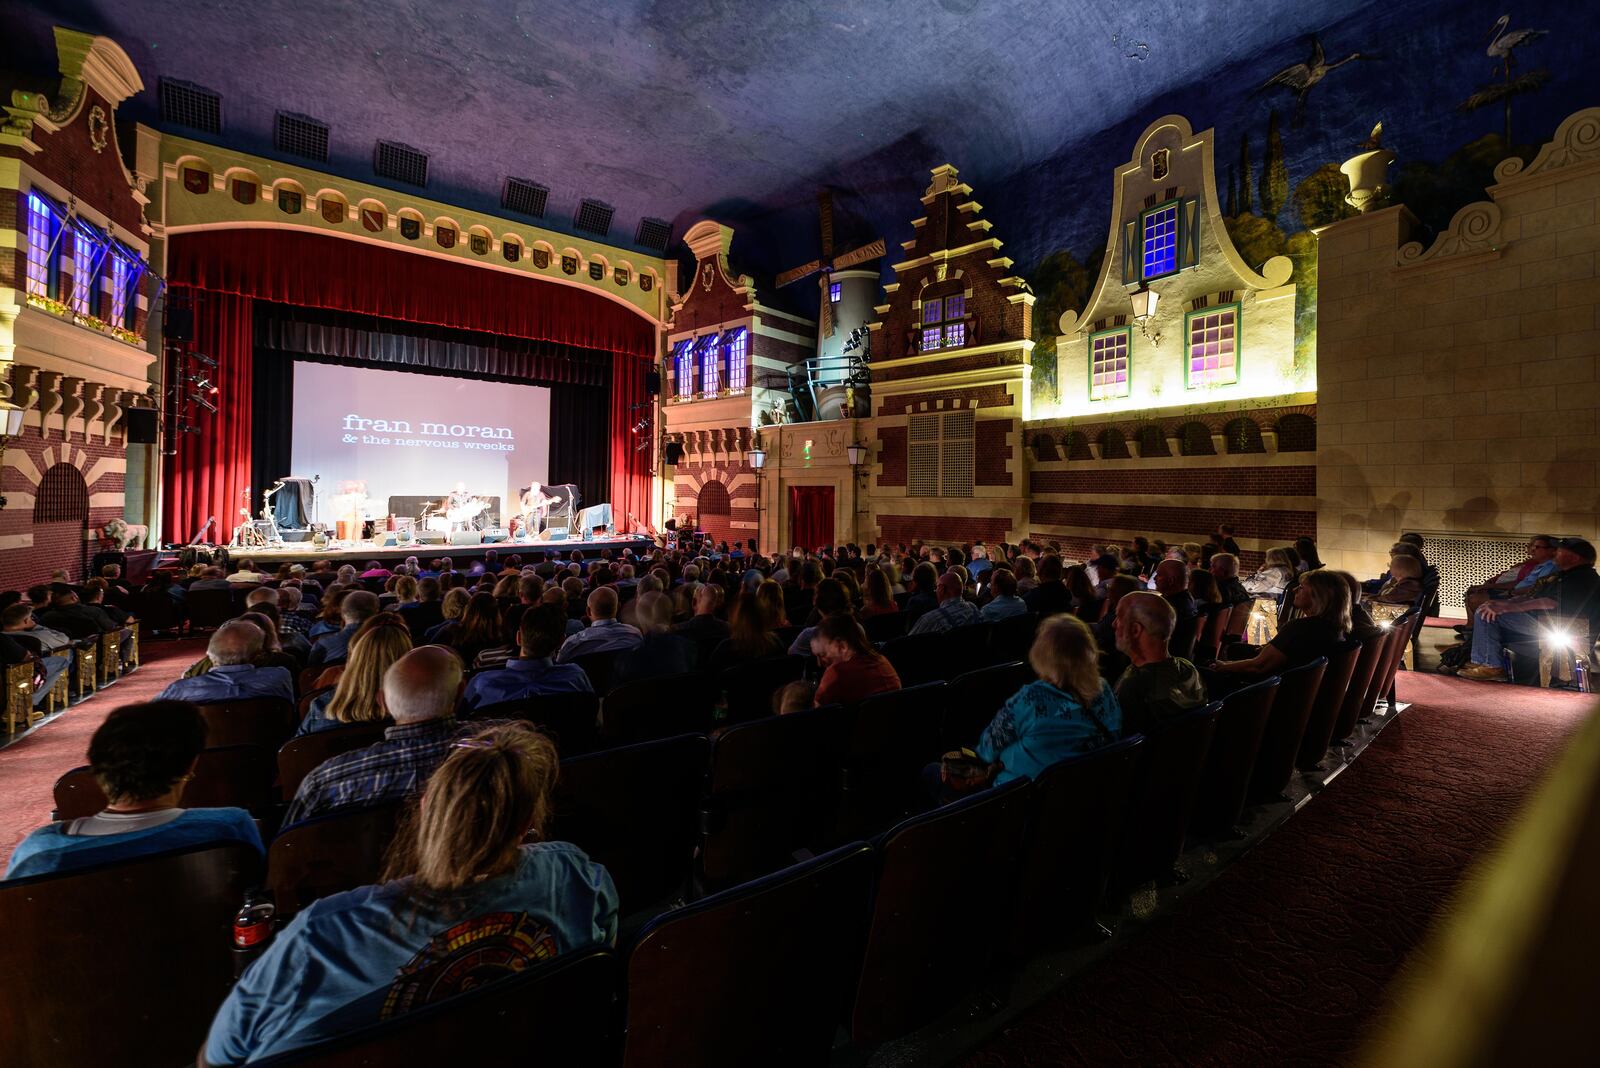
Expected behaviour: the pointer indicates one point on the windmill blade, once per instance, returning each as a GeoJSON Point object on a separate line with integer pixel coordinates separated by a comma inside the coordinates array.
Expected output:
{"type": "Point", "coordinates": [825, 319]}
{"type": "Point", "coordinates": [825, 210]}
{"type": "Point", "coordinates": [860, 255]}
{"type": "Point", "coordinates": [794, 274]}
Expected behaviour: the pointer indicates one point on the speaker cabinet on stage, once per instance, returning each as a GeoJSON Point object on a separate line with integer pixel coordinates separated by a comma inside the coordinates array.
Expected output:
{"type": "Point", "coordinates": [178, 324]}
{"type": "Point", "coordinates": [430, 537]}
{"type": "Point", "coordinates": [141, 424]}
{"type": "Point", "coordinates": [466, 537]}
{"type": "Point", "coordinates": [496, 535]}
{"type": "Point", "coordinates": [652, 382]}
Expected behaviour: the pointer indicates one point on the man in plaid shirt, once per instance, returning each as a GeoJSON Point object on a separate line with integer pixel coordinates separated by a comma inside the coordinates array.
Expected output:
{"type": "Point", "coordinates": [420, 692]}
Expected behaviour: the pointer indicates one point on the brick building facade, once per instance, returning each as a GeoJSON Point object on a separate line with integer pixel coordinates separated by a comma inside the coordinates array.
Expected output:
{"type": "Point", "coordinates": [74, 302]}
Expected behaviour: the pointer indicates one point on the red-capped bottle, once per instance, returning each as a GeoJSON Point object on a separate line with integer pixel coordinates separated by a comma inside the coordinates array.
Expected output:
{"type": "Point", "coordinates": [252, 930]}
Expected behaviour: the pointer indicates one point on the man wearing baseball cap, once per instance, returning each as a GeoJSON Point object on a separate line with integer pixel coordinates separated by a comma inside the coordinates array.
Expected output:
{"type": "Point", "coordinates": [1568, 599]}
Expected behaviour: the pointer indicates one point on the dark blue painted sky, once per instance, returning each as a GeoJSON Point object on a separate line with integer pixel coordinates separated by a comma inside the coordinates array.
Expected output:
{"type": "Point", "coordinates": [739, 110]}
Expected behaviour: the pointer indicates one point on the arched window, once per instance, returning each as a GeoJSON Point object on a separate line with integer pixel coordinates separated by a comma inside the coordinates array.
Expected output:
{"type": "Point", "coordinates": [1113, 446]}
{"type": "Point", "coordinates": [1297, 433]}
{"type": "Point", "coordinates": [1244, 436]}
{"type": "Point", "coordinates": [1196, 439]}
{"type": "Point", "coordinates": [714, 499]}
{"type": "Point", "coordinates": [1077, 443]}
{"type": "Point", "coordinates": [1044, 447]}
{"type": "Point", "coordinates": [944, 317]}
{"type": "Point", "coordinates": [63, 496]}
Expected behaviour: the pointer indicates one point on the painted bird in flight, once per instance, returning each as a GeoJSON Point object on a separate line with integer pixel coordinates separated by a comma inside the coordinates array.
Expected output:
{"type": "Point", "coordinates": [1298, 78]}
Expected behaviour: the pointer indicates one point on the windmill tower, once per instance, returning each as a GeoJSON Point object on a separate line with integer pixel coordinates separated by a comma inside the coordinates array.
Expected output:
{"type": "Point", "coordinates": [848, 286]}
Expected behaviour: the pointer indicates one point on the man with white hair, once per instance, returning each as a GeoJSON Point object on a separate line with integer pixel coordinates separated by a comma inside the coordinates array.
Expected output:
{"type": "Point", "coordinates": [420, 691]}
{"type": "Point", "coordinates": [1157, 686]}
{"type": "Point", "coordinates": [358, 607]}
{"type": "Point", "coordinates": [233, 675]}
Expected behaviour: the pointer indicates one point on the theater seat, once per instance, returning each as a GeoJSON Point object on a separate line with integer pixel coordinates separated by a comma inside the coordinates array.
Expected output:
{"type": "Point", "coordinates": [122, 963]}
{"type": "Point", "coordinates": [571, 719]}
{"type": "Point", "coordinates": [300, 756]}
{"type": "Point", "coordinates": [748, 688]}
{"type": "Point", "coordinates": [559, 1012]}
{"type": "Point", "coordinates": [972, 700]}
{"type": "Point", "coordinates": [893, 736]}
{"type": "Point", "coordinates": [636, 810]}
{"type": "Point", "coordinates": [329, 854]}
{"type": "Point", "coordinates": [661, 707]}
{"type": "Point", "coordinates": [884, 626]}
{"type": "Point", "coordinates": [942, 911]}
{"type": "Point", "coordinates": [1286, 726]}
{"type": "Point", "coordinates": [1162, 799]}
{"type": "Point", "coordinates": [1351, 708]}
{"type": "Point", "coordinates": [754, 975]}
{"type": "Point", "coordinates": [1012, 638]}
{"type": "Point", "coordinates": [208, 609]}
{"type": "Point", "coordinates": [772, 789]}
{"type": "Point", "coordinates": [598, 667]}
{"type": "Point", "coordinates": [1325, 709]}
{"type": "Point", "coordinates": [1231, 758]}
{"type": "Point", "coordinates": [1075, 820]}
{"type": "Point", "coordinates": [264, 721]}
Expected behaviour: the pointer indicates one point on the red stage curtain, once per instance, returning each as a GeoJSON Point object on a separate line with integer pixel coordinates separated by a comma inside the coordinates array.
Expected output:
{"type": "Point", "coordinates": [211, 470]}
{"type": "Point", "coordinates": [811, 516]}
{"type": "Point", "coordinates": [318, 271]}
{"type": "Point", "coordinates": [630, 465]}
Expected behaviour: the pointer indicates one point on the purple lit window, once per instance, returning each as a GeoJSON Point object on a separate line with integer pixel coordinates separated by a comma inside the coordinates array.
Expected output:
{"type": "Point", "coordinates": [43, 275]}
{"type": "Point", "coordinates": [1108, 365]}
{"type": "Point", "coordinates": [834, 292]}
{"type": "Point", "coordinates": [955, 335]}
{"type": "Point", "coordinates": [1214, 347]}
{"type": "Point", "coordinates": [955, 307]}
{"type": "Point", "coordinates": [738, 359]}
{"type": "Point", "coordinates": [683, 369]}
{"type": "Point", "coordinates": [710, 366]}
{"type": "Point", "coordinates": [931, 311]}
{"type": "Point", "coordinates": [930, 338]}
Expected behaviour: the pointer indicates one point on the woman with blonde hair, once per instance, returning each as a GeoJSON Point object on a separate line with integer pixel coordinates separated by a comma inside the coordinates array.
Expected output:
{"type": "Point", "coordinates": [355, 698]}
{"type": "Point", "coordinates": [467, 900]}
{"type": "Point", "coordinates": [453, 607]}
{"type": "Point", "coordinates": [770, 594]}
{"type": "Point", "coordinates": [1273, 576]}
{"type": "Point", "coordinates": [1322, 601]}
{"type": "Point", "coordinates": [1069, 710]}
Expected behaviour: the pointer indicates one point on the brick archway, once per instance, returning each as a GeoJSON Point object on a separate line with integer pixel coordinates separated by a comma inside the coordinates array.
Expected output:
{"type": "Point", "coordinates": [714, 509]}
{"type": "Point", "coordinates": [61, 520]}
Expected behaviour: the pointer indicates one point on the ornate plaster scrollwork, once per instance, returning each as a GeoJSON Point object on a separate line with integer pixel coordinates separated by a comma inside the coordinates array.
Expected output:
{"type": "Point", "coordinates": [94, 407]}
{"type": "Point", "coordinates": [50, 398]}
{"type": "Point", "coordinates": [1576, 140]}
{"type": "Point", "coordinates": [1475, 228]}
{"type": "Point", "coordinates": [21, 390]}
{"type": "Point", "coordinates": [71, 402]}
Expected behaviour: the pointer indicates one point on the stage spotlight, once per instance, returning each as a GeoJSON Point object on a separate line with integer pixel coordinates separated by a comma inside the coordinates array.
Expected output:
{"type": "Point", "coordinates": [202, 383]}
{"type": "Point", "coordinates": [203, 358]}
{"type": "Point", "coordinates": [203, 402]}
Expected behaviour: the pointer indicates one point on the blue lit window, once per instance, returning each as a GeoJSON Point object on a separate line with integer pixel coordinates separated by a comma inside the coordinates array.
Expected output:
{"type": "Point", "coordinates": [44, 266]}
{"type": "Point", "coordinates": [710, 365]}
{"type": "Point", "coordinates": [833, 292]}
{"type": "Point", "coordinates": [683, 368]}
{"type": "Point", "coordinates": [87, 259]}
{"type": "Point", "coordinates": [955, 335]}
{"type": "Point", "coordinates": [738, 359]}
{"type": "Point", "coordinates": [121, 290]}
{"type": "Point", "coordinates": [944, 322]}
{"type": "Point", "coordinates": [931, 310]}
{"type": "Point", "coordinates": [1161, 240]}
{"type": "Point", "coordinates": [930, 338]}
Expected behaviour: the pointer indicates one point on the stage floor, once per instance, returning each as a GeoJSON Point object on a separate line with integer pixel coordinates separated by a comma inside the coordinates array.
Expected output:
{"type": "Point", "coordinates": [303, 552]}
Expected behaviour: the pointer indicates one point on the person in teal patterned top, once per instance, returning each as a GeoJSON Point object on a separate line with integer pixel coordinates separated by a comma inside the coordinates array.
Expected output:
{"type": "Point", "coordinates": [1068, 711]}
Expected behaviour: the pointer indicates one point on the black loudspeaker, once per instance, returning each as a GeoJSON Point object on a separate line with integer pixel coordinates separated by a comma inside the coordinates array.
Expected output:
{"type": "Point", "coordinates": [141, 426]}
{"type": "Point", "coordinates": [652, 382]}
{"type": "Point", "coordinates": [673, 453]}
{"type": "Point", "coordinates": [179, 324]}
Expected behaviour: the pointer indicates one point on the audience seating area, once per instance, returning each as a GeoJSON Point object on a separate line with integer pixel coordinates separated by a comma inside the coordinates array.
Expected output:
{"type": "Point", "coordinates": [787, 869]}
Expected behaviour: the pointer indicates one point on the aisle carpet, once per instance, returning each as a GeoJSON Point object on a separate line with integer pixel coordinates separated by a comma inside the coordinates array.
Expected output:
{"type": "Point", "coordinates": [30, 766]}
{"type": "Point", "coordinates": [1284, 959]}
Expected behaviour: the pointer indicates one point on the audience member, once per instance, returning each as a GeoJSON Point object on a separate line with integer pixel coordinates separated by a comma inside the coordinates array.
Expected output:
{"type": "Point", "coordinates": [356, 608]}
{"type": "Point", "coordinates": [605, 633]}
{"type": "Point", "coordinates": [704, 629]}
{"type": "Point", "coordinates": [142, 757]}
{"type": "Point", "coordinates": [750, 635]}
{"type": "Point", "coordinates": [427, 612]}
{"type": "Point", "coordinates": [1050, 595]}
{"type": "Point", "coordinates": [1272, 577]}
{"type": "Point", "coordinates": [830, 599]}
{"type": "Point", "coordinates": [1171, 581]}
{"type": "Point", "coordinates": [878, 594]}
{"type": "Point", "coordinates": [853, 669]}
{"type": "Point", "coordinates": [540, 633]}
{"type": "Point", "coordinates": [1004, 603]}
{"type": "Point", "coordinates": [73, 618]}
{"type": "Point", "coordinates": [233, 674]}
{"type": "Point", "coordinates": [660, 651]}
{"type": "Point", "coordinates": [1223, 536]}
{"type": "Point", "coordinates": [1069, 710]}
{"type": "Point", "coordinates": [1156, 686]}
{"type": "Point", "coordinates": [356, 698]}
{"type": "Point", "coordinates": [1541, 563]}
{"type": "Point", "coordinates": [952, 611]}
{"type": "Point", "coordinates": [419, 693]}
{"type": "Point", "coordinates": [1322, 601]}
{"type": "Point", "coordinates": [1567, 602]}
{"type": "Point", "coordinates": [464, 892]}
{"type": "Point", "coordinates": [923, 593]}
{"type": "Point", "coordinates": [1405, 581]}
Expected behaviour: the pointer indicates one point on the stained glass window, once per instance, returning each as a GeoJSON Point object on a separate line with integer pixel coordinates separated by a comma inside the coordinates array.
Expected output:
{"type": "Point", "coordinates": [1161, 241]}
{"type": "Point", "coordinates": [43, 274]}
{"type": "Point", "coordinates": [738, 359]}
{"type": "Point", "coordinates": [1108, 364]}
{"type": "Point", "coordinates": [1214, 346]}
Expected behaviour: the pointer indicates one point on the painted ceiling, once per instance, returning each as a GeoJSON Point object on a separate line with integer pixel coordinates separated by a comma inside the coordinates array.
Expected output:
{"type": "Point", "coordinates": [740, 110]}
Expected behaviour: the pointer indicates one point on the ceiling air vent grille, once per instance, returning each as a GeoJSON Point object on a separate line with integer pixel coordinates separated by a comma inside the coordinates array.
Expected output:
{"type": "Point", "coordinates": [593, 217]}
{"type": "Point", "coordinates": [524, 197]}
{"type": "Point", "coordinates": [401, 163]}
{"type": "Point", "coordinates": [301, 135]}
{"type": "Point", "coordinates": [191, 105]}
{"type": "Point", "coordinates": [653, 234]}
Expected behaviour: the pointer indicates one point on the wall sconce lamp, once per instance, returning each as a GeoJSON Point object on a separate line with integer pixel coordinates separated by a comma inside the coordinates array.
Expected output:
{"type": "Point", "coordinates": [857, 454]}
{"type": "Point", "coordinates": [756, 458]}
{"type": "Point", "coordinates": [1145, 300]}
{"type": "Point", "coordinates": [10, 427]}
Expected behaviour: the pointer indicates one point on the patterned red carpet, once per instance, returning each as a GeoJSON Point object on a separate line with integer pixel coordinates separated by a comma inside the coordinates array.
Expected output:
{"type": "Point", "coordinates": [30, 766]}
{"type": "Point", "coordinates": [1284, 959]}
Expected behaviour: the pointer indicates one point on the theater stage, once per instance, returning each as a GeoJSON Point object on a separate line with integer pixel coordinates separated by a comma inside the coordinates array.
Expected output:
{"type": "Point", "coordinates": [304, 553]}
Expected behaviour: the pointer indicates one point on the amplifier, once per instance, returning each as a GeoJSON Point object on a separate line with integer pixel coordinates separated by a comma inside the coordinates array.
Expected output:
{"type": "Point", "coordinates": [430, 537]}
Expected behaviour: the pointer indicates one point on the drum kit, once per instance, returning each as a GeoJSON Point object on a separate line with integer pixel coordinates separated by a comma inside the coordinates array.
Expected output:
{"type": "Point", "coordinates": [457, 511]}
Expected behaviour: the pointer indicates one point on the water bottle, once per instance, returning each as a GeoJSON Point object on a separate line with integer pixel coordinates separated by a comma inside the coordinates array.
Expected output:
{"type": "Point", "coordinates": [252, 929]}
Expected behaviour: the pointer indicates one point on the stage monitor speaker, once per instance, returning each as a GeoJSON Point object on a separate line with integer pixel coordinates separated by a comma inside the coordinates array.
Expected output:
{"type": "Point", "coordinates": [430, 537]}
{"type": "Point", "coordinates": [673, 453]}
{"type": "Point", "coordinates": [652, 382]}
{"type": "Point", "coordinates": [466, 537]}
{"type": "Point", "coordinates": [178, 324]}
{"type": "Point", "coordinates": [141, 423]}
{"type": "Point", "coordinates": [496, 535]}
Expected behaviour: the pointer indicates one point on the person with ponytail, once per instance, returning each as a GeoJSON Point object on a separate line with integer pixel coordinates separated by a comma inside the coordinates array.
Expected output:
{"type": "Point", "coordinates": [473, 892]}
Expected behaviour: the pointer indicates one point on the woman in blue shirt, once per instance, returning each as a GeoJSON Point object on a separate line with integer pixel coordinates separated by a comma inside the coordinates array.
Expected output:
{"type": "Point", "coordinates": [466, 900]}
{"type": "Point", "coordinates": [1069, 710]}
{"type": "Point", "coordinates": [380, 642]}
{"type": "Point", "coordinates": [142, 756]}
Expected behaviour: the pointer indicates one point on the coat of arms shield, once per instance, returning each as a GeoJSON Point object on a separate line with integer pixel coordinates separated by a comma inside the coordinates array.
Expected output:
{"type": "Point", "coordinates": [445, 235]}
{"type": "Point", "coordinates": [332, 210]}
